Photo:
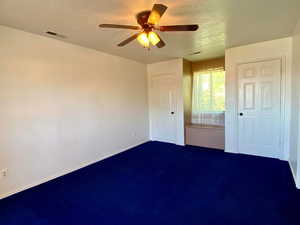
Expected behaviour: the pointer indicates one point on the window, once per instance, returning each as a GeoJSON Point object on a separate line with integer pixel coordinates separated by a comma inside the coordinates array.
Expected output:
{"type": "Point", "coordinates": [209, 97]}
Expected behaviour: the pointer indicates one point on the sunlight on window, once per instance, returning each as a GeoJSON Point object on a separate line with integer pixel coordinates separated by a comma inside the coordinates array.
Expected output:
{"type": "Point", "coordinates": [205, 82]}
{"type": "Point", "coordinates": [209, 97]}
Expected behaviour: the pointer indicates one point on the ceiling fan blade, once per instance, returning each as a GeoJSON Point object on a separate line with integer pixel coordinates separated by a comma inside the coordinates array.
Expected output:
{"type": "Point", "coordinates": [130, 39]}
{"type": "Point", "coordinates": [192, 27]}
{"type": "Point", "coordinates": [119, 26]}
{"type": "Point", "coordinates": [161, 43]}
{"type": "Point", "coordinates": [157, 12]}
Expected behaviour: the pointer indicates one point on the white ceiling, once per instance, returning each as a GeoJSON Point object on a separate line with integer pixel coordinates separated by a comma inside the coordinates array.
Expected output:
{"type": "Point", "coordinates": [223, 24]}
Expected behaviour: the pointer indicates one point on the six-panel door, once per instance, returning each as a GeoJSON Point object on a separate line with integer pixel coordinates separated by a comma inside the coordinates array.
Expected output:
{"type": "Point", "coordinates": [259, 108]}
{"type": "Point", "coordinates": [163, 105]}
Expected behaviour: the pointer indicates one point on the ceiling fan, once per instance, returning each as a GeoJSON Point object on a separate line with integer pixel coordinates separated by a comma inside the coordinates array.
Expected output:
{"type": "Point", "coordinates": [148, 21]}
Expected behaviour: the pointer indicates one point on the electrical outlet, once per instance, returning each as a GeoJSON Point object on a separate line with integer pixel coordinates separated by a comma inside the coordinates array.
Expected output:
{"type": "Point", "coordinates": [3, 173]}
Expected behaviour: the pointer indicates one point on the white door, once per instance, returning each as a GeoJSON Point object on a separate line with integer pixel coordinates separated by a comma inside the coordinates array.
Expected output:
{"type": "Point", "coordinates": [163, 108]}
{"type": "Point", "coordinates": [259, 108]}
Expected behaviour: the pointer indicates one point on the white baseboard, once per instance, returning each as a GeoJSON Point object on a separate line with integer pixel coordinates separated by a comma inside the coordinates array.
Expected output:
{"type": "Point", "coordinates": [66, 171]}
{"type": "Point", "coordinates": [294, 175]}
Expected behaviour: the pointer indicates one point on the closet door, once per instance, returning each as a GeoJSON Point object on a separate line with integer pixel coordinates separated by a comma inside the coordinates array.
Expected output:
{"type": "Point", "coordinates": [163, 108]}
{"type": "Point", "coordinates": [259, 108]}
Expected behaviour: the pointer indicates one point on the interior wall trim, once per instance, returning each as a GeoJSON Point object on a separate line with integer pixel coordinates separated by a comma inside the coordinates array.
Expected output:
{"type": "Point", "coordinates": [66, 171]}
{"type": "Point", "coordinates": [294, 175]}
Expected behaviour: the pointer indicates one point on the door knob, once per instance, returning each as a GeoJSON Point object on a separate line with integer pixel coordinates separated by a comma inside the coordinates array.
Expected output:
{"type": "Point", "coordinates": [241, 114]}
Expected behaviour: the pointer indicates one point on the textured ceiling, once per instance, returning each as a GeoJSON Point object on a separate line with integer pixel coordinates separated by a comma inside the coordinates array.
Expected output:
{"type": "Point", "coordinates": [223, 23]}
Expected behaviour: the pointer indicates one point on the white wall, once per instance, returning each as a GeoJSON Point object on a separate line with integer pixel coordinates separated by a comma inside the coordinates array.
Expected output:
{"type": "Point", "coordinates": [295, 138]}
{"type": "Point", "coordinates": [280, 48]}
{"type": "Point", "coordinates": [63, 106]}
{"type": "Point", "coordinates": [175, 68]}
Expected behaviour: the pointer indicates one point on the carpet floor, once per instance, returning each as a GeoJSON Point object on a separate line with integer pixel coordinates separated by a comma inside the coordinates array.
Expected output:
{"type": "Point", "coordinates": [163, 184]}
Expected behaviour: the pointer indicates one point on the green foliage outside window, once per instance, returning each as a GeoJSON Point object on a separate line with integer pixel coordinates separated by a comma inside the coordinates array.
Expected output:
{"type": "Point", "coordinates": [209, 91]}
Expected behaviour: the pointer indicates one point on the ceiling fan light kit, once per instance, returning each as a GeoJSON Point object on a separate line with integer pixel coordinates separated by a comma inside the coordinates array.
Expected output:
{"type": "Point", "coordinates": [148, 21]}
{"type": "Point", "coordinates": [153, 38]}
{"type": "Point", "coordinates": [143, 39]}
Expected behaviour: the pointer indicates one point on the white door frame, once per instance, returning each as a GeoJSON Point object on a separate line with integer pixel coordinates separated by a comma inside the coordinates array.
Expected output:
{"type": "Point", "coordinates": [283, 86]}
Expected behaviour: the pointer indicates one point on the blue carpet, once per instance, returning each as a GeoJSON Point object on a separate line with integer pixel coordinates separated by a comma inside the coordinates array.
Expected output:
{"type": "Point", "coordinates": [163, 184]}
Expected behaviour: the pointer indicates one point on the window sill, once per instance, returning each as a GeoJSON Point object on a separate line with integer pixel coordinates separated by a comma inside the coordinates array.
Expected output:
{"type": "Point", "coordinates": [201, 126]}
